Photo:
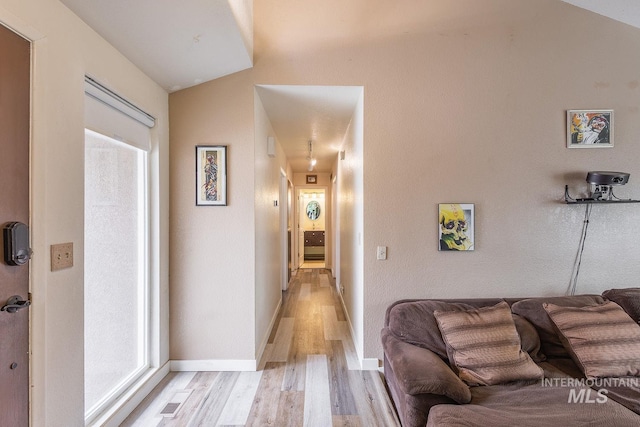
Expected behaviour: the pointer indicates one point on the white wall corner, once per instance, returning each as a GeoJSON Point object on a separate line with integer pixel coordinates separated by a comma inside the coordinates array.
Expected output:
{"type": "Point", "coordinates": [261, 356]}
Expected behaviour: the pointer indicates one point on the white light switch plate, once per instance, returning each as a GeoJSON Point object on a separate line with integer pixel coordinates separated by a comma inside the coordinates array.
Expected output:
{"type": "Point", "coordinates": [382, 252]}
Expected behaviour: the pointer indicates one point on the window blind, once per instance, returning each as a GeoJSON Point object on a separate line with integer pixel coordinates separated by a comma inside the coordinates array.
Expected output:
{"type": "Point", "coordinates": [111, 115]}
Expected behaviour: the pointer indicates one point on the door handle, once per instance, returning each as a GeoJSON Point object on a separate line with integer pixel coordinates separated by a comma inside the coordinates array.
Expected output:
{"type": "Point", "coordinates": [15, 303]}
{"type": "Point", "coordinates": [16, 243]}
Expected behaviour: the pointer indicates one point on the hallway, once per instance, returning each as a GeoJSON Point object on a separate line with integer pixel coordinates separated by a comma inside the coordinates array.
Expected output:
{"type": "Point", "coordinates": [309, 375]}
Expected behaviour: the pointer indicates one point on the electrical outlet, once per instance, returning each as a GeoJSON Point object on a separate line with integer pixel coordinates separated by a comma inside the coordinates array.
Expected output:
{"type": "Point", "coordinates": [61, 256]}
{"type": "Point", "coordinates": [382, 252]}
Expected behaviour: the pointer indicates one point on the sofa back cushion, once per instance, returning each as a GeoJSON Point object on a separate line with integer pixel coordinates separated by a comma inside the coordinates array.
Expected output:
{"type": "Point", "coordinates": [628, 299]}
{"type": "Point", "coordinates": [413, 322]}
{"type": "Point", "coordinates": [529, 339]}
{"type": "Point", "coordinates": [532, 309]}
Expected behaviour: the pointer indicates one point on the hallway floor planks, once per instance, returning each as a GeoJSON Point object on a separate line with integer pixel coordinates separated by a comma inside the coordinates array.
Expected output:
{"type": "Point", "coordinates": [309, 375]}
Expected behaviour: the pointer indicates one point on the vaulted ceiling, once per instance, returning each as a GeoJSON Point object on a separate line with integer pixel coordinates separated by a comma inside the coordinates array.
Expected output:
{"type": "Point", "coordinates": [182, 44]}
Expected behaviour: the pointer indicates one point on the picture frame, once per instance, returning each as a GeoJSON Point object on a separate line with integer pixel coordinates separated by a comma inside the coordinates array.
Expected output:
{"type": "Point", "coordinates": [456, 227]}
{"type": "Point", "coordinates": [589, 128]}
{"type": "Point", "coordinates": [312, 179]}
{"type": "Point", "coordinates": [211, 175]}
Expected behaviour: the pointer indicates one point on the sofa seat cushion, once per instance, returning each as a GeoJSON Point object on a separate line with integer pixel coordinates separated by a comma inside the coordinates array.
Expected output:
{"type": "Point", "coordinates": [532, 406]}
{"type": "Point", "coordinates": [484, 346]}
{"type": "Point", "coordinates": [532, 310]}
{"type": "Point", "coordinates": [603, 340]}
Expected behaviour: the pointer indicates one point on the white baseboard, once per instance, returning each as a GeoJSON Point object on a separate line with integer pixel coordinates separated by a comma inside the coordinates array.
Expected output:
{"type": "Point", "coordinates": [365, 364]}
{"type": "Point", "coordinates": [370, 364]}
{"type": "Point", "coordinates": [131, 399]}
{"type": "Point", "coordinates": [230, 365]}
{"type": "Point", "coordinates": [213, 365]}
{"type": "Point", "coordinates": [265, 340]}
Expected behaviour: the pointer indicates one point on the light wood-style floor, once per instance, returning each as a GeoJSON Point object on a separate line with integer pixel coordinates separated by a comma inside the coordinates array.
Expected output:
{"type": "Point", "coordinates": [313, 264]}
{"type": "Point", "coordinates": [309, 375]}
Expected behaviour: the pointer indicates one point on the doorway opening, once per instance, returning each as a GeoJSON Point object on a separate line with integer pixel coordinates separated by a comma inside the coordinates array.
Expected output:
{"type": "Point", "coordinates": [312, 228]}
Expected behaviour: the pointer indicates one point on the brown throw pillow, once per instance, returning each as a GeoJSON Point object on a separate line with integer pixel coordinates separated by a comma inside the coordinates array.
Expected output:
{"type": "Point", "coordinates": [602, 339]}
{"type": "Point", "coordinates": [484, 346]}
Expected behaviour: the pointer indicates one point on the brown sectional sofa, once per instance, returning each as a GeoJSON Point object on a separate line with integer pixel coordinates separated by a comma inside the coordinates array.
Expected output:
{"type": "Point", "coordinates": [426, 390]}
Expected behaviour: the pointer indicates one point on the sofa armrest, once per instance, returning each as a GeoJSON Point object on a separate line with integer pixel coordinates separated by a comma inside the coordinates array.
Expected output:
{"type": "Point", "coordinates": [419, 370]}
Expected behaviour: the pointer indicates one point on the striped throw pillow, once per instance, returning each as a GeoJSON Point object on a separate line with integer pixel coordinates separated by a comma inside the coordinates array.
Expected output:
{"type": "Point", "coordinates": [484, 346]}
{"type": "Point", "coordinates": [602, 339]}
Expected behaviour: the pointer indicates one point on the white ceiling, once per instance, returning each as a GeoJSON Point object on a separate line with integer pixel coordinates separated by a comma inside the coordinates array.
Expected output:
{"type": "Point", "coordinates": [185, 43]}
{"type": "Point", "coordinates": [177, 43]}
{"type": "Point", "coordinates": [300, 114]}
{"type": "Point", "coordinates": [627, 11]}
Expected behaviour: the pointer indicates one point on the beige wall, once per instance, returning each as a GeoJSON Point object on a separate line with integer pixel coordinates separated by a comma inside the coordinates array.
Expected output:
{"type": "Point", "coordinates": [484, 122]}
{"type": "Point", "coordinates": [268, 238]}
{"type": "Point", "coordinates": [464, 101]}
{"type": "Point", "coordinates": [349, 277]}
{"type": "Point", "coordinates": [213, 247]}
{"type": "Point", "coordinates": [64, 50]}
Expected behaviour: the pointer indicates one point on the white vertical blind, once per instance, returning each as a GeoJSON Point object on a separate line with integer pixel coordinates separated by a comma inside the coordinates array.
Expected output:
{"type": "Point", "coordinates": [111, 115]}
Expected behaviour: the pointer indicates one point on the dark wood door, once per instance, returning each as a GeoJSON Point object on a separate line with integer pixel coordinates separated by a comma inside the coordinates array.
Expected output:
{"type": "Point", "coordinates": [15, 58]}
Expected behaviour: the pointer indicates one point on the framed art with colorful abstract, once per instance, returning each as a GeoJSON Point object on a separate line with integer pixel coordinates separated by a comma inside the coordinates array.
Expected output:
{"type": "Point", "coordinates": [589, 128]}
{"type": "Point", "coordinates": [456, 226]}
{"type": "Point", "coordinates": [211, 175]}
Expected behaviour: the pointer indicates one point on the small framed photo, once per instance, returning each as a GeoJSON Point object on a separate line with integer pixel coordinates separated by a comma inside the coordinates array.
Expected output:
{"type": "Point", "coordinates": [589, 128]}
{"type": "Point", "coordinates": [456, 226]}
{"type": "Point", "coordinates": [211, 175]}
{"type": "Point", "coordinates": [312, 179]}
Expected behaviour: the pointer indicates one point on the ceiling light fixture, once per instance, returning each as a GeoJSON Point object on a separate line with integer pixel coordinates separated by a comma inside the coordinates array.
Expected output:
{"type": "Point", "coordinates": [312, 160]}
